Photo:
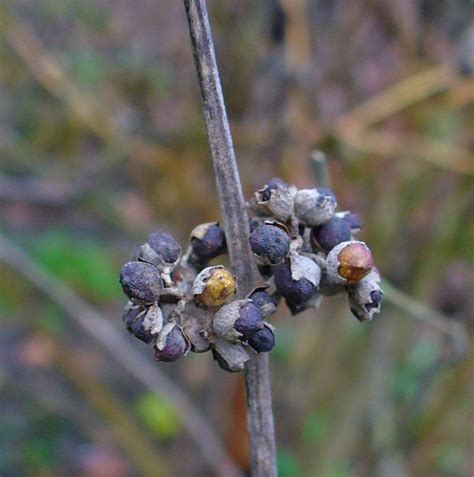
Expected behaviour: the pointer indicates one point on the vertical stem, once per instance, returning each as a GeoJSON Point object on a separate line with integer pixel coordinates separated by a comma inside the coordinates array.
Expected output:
{"type": "Point", "coordinates": [235, 221]}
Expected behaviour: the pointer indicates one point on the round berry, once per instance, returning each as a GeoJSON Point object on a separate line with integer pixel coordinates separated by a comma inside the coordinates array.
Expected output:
{"type": "Point", "coordinates": [130, 315]}
{"type": "Point", "coordinates": [355, 262]}
{"type": "Point", "coordinates": [331, 233]}
{"type": "Point", "coordinates": [141, 282]}
{"type": "Point", "coordinates": [296, 292]}
{"type": "Point", "coordinates": [211, 245]}
{"type": "Point", "coordinates": [175, 346]}
{"type": "Point", "coordinates": [140, 332]}
{"type": "Point", "coordinates": [214, 286]}
{"type": "Point", "coordinates": [266, 303]}
{"type": "Point", "coordinates": [269, 243]}
{"type": "Point", "coordinates": [348, 262]}
{"type": "Point", "coordinates": [165, 246]}
{"type": "Point", "coordinates": [263, 340]}
{"type": "Point", "coordinates": [249, 322]}
{"type": "Point", "coordinates": [353, 221]}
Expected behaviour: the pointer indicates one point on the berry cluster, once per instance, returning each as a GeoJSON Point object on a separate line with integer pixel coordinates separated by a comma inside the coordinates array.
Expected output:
{"type": "Point", "coordinates": [304, 249]}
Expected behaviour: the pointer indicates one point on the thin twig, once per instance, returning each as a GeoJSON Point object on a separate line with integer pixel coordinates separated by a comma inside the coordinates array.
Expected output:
{"type": "Point", "coordinates": [235, 221]}
{"type": "Point", "coordinates": [119, 347]}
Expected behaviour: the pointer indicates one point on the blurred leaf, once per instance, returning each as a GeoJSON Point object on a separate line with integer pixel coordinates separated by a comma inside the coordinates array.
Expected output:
{"type": "Point", "coordinates": [338, 469]}
{"type": "Point", "coordinates": [39, 453]}
{"type": "Point", "coordinates": [451, 460]}
{"type": "Point", "coordinates": [405, 379]}
{"type": "Point", "coordinates": [404, 383]}
{"type": "Point", "coordinates": [88, 266]}
{"type": "Point", "coordinates": [51, 319]}
{"type": "Point", "coordinates": [287, 465]}
{"type": "Point", "coordinates": [423, 354]}
{"type": "Point", "coordinates": [445, 126]}
{"type": "Point", "coordinates": [86, 67]}
{"type": "Point", "coordinates": [158, 415]}
{"type": "Point", "coordinates": [315, 427]}
{"type": "Point", "coordinates": [12, 292]}
{"type": "Point", "coordinates": [284, 344]}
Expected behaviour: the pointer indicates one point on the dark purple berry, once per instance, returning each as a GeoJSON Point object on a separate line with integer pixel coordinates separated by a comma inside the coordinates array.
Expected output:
{"type": "Point", "coordinates": [376, 297]}
{"type": "Point", "coordinates": [175, 347]}
{"type": "Point", "coordinates": [331, 233]}
{"type": "Point", "coordinates": [296, 292]}
{"type": "Point", "coordinates": [249, 322]}
{"type": "Point", "coordinates": [211, 245]}
{"type": "Point", "coordinates": [129, 317]}
{"type": "Point", "coordinates": [269, 243]}
{"type": "Point", "coordinates": [139, 332]}
{"type": "Point", "coordinates": [263, 340]}
{"type": "Point", "coordinates": [165, 246]}
{"type": "Point", "coordinates": [141, 282]}
{"type": "Point", "coordinates": [222, 362]}
{"type": "Point", "coordinates": [265, 302]}
{"type": "Point", "coordinates": [353, 221]}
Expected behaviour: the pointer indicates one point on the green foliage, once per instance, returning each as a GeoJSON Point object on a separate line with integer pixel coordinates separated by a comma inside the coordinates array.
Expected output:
{"type": "Point", "coordinates": [315, 427]}
{"type": "Point", "coordinates": [338, 469]}
{"type": "Point", "coordinates": [87, 67]}
{"type": "Point", "coordinates": [158, 415]}
{"type": "Point", "coordinates": [451, 460]}
{"type": "Point", "coordinates": [85, 264]}
{"type": "Point", "coordinates": [287, 465]}
{"type": "Point", "coordinates": [51, 319]}
{"type": "Point", "coordinates": [406, 377]}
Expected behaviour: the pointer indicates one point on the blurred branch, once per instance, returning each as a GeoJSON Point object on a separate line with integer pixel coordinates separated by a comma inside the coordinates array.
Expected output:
{"type": "Point", "coordinates": [40, 191]}
{"type": "Point", "coordinates": [396, 98]}
{"type": "Point", "coordinates": [124, 427]}
{"type": "Point", "coordinates": [391, 145]}
{"type": "Point", "coordinates": [123, 352]}
{"type": "Point", "coordinates": [430, 316]}
{"type": "Point", "coordinates": [91, 111]}
{"type": "Point", "coordinates": [382, 416]}
{"type": "Point", "coordinates": [236, 225]}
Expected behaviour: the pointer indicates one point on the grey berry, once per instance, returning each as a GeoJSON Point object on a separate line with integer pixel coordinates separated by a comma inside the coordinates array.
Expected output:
{"type": "Point", "coordinates": [273, 184]}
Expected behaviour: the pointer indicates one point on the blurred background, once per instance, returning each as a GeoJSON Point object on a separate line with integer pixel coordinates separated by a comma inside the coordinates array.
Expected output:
{"type": "Point", "coordinates": [102, 140]}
